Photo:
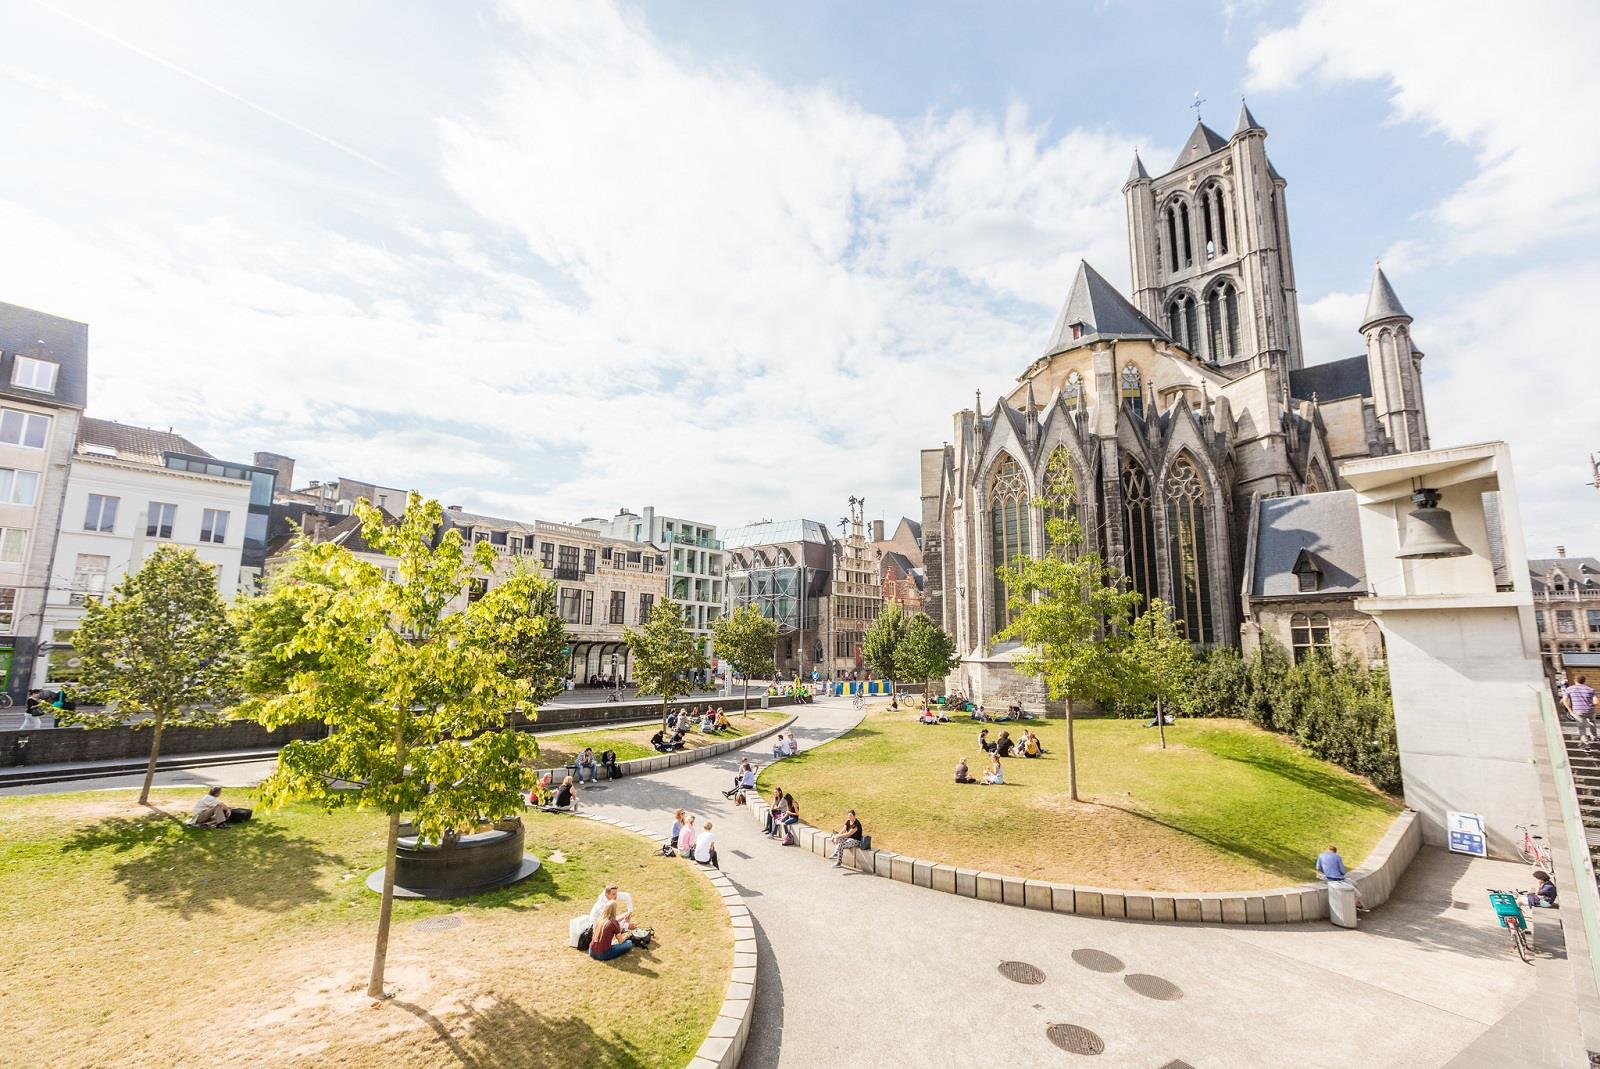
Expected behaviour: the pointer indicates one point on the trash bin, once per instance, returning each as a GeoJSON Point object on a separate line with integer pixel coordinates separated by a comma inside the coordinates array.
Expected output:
{"type": "Point", "coordinates": [1342, 903]}
{"type": "Point", "coordinates": [765, 700]}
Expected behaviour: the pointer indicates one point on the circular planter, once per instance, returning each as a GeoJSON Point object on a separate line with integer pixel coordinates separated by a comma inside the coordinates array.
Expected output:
{"type": "Point", "coordinates": [459, 866]}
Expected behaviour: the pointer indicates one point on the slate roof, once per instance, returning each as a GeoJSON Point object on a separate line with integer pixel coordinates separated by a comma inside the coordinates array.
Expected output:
{"type": "Point", "coordinates": [1331, 381]}
{"type": "Point", "coordinates": [1326, 526]}
{"type": "Point", "coordinates": [1580, 571]}
{"type": "Point", "coordinates": [142, 445]}
{"type": "Point", "coordinates": [1381, 301]}
{"type": "Point", "coordinates": [1203, 142]}
{"type": "Point", "coordinates": [1137, 172]}
{"type": "Point", "coordinates": [65, 341]}
{"type": "Point", "coordinates": [1103, 311]}
{"type": "Point", "coordinates": [770, 533]}
{"type": "Point", "coordinates": [1246, 120]}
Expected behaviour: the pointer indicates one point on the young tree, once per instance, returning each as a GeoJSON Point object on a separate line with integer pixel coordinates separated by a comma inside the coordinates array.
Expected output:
{"type": "Point", "coordinates": [880, 644]}
{"type": "Point", "coordinates": [665, 654]}
{"type": "Point", "coordinates": [522, 615]}
{"type": "Point", "coordinates": [160, 645]}
{"type": "Point", "coordinates": [1160, 661]}
{"type": "Point", "coordinates": [415, 693]}
{"type": "Point", "coordinates": [745, 639]}
{"type": "Point", "coordinates": [927, 652]}
{"type": "Point", "coordinates": [1069, 609]}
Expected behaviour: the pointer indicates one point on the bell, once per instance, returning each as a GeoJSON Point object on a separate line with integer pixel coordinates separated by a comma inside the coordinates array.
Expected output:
{"type": "Point", "coordinates": [1429, 532]}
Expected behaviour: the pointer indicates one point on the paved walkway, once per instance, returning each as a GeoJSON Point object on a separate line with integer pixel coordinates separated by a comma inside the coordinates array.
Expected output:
{"type": "Point", "coordinates": [861, 970]}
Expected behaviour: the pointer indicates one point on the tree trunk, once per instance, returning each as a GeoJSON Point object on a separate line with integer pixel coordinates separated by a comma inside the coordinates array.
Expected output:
{"type": "Point", "coordinates": [664, 701]}
{"type": "Point", "coordinates": [155, 751]}
{"type": "Point", "coordinates": [1072, 757]}
{"type": "Point", "coordinates": [746, 697]}
{"type": "Point", "coordinates": [1161, 723]}
{"type": "Point", "coordinates": [380, 953]}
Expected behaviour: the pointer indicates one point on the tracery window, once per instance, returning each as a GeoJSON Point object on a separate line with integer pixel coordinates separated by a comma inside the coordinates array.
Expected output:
{"type": "Point", "coordinates": [1008, 529]}
{"type": "Point", "coordinates": [1172, 236]}
{"type": "Point", "coordinates": [1222, 315]}
{"type": "Point", "coordinates": [1131, 392]}
{"type": "Point", "coordinates": [1183, 322]}
{"type": "Point", "coordinates": [1139, 564]}
{"type": "Point", "coordinates": [1183, 225]}
{"type": "Point", "coordinates": [1060, 461]}
{"type": "Point", "coordinates": [1206, 200]}
{"type": "Point", "coordinates": [1074, 390]}
{"type": "Point", "coordinates": [1187, 513]}
{"type": "Point", "coordinates": [1308, 633]}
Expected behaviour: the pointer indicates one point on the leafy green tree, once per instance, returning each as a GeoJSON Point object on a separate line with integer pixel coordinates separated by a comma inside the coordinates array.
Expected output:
{"type": "Point", "coordinates": [880, 644]}
{"type": "Point", "coordinates": [414, 693]}
{"type": "Point", "coordinates": [521, 614]}
{"type": "Point", "coordinates": [927, 652]}
{"type": "Point", "coordinates": [1160, 662]}
{"type": "Point", "coordinates": [1069, 609]}
{"type": "Point", "coordinates": [745, 639]}
{"type": "Point", "coordinates": [665, 654]}
{"type": "Point", "coordinates": [160, 647]}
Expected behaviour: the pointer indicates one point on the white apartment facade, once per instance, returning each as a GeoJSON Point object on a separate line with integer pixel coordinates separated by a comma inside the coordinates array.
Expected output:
{"type": "Point", "coordinates": [695, 558]}
{"type": "Point", "coordinates": [122, 501]}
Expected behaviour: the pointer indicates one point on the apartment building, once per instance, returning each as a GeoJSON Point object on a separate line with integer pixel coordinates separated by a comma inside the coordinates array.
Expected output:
{"type": "Point", "coordinates": [44, 376]}
{"type": "Point", "coordinates": [784, 569]}
{"type": "Point", "coordinates": [1566, 606]}
{"type": "Point", "coordinates": [696, 559]}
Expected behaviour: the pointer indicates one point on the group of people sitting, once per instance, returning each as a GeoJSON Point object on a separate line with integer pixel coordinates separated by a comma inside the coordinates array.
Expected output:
{"type": "Point", "coordinates": [800, 692]}
{"type": "Point", "coordinates": [607, 931]}
{"type": "Point", "coordinates": [932, 714]}
{"type": "Point", "coordinates": [698, 844]}
{"type": "Point", "coordinates": [1014, 711]}
{"type": "Point", "coordinates": [673, 734]}
{"type": "Point", "coordinates": [1004, 746]}
{"type": "Point", "coordinates": [544, 796]}
{"type": "Point", "coordinates": [784, 745]}
{"type": "Point", "coordinates": [588, 766]}
{"type": "Point", "coordinates": [782, 815]}
{"type": "Point", "coordinates": [995, 775]}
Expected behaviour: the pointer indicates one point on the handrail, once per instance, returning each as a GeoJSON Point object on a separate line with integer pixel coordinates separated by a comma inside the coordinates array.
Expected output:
{"type": "Point", "coordinates": [1588, 891]}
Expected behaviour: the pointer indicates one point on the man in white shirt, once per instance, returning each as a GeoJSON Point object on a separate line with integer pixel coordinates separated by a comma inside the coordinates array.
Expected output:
{"type": "Point", "coordinates": [705, 846]}
{"type": "Point", "coordinates": [608, 895]}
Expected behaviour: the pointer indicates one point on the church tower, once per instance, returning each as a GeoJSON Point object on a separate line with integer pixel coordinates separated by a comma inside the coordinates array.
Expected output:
{"type": "Point", "coordinates": [1209, 243]}
{"type": "Point", "coordinates": [1394, 365]}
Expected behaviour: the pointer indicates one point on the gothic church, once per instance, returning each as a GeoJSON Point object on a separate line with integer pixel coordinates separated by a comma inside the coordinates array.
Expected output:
{"type": "Point", "coordinates": [1180, 411]}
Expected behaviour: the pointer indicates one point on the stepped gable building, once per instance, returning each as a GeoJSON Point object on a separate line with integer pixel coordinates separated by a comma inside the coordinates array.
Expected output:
{"type": "Point", "coordinates": [1178, 410]}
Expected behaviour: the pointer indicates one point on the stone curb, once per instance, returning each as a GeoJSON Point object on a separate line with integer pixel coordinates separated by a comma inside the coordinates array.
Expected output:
{"type": "Point", "coordinates": [724, 1044]}
{"type": "Point", "coordinates": [641, 765]}
{"type": "Point", "coordinates": [1375, 879]}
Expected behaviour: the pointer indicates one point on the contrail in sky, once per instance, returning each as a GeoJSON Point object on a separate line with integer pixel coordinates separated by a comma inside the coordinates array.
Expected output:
{"type": "Point", "coordinates": [230, 94]}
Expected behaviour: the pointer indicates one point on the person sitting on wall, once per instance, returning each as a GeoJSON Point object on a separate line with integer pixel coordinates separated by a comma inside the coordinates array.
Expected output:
{"type": "Point", "coordinates": [1330, 867]}
{"type": "Point", "coordinates": [705, 846]}
{"type": "Point", "coordinates": [585, 764]}
{"type": "Point", "coordinates": [210, 811]}
{"type": "Point", "coordinates": [608, 761]}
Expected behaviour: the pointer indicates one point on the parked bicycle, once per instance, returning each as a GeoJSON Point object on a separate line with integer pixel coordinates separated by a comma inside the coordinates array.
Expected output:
{"type": "Point", "coordinates": [1533, 849]}
{"type": "Point", "coordinates": [1509, 912]}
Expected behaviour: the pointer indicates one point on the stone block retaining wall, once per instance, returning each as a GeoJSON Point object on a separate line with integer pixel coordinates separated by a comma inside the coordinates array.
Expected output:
{"type": "Point", "coordinates": [660, 762]}
{"type": "Point", "coordinates": [724, 1045]}
{"type": "Point", "coordinates": [1376, 879]}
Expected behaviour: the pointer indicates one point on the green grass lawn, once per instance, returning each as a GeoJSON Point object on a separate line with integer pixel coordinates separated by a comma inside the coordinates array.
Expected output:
{"type": "Point", "coordinates": [137, 942]}
{"type": "Point", "coordinates": [1226, 806]}
{"type": "Point", "coordinates": [630, 743]}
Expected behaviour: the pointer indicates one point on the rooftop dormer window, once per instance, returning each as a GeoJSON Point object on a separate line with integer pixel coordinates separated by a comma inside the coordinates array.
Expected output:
{"type": "Point", "coordinates": [1308, 572]}
{"type": "Point", "coordinates": [32, 374]}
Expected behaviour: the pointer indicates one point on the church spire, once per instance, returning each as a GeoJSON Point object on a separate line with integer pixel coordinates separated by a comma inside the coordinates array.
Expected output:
{"type": "Point", "coordinates": [1381, 301]}
{"type": "Point", "coordinates": [1137, 173]}
{"type": "Point", "coordinates": [1246, 120]}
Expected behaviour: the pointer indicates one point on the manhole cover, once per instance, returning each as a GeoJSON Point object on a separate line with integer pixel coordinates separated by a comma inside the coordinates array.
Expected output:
{"type": "Point", "coordinates": [1153, 986]}
{"type": "Point", "coordinates": [1098, 960]}
{"type": "Point", "coordinates": [1075, 1039]}
{"type": "Point", "coordinates": [438, 924]}
{"type": "Point", "coordinates": [1021, 972]}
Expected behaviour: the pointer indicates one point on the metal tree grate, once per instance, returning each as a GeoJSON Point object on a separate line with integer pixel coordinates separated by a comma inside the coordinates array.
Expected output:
{"type": "Point", "coordinates": [1098, 960]}
{"type": "Point", "coordinates": [1075, 1039]}
{"type": "Point", "coordinates": [1022, 972]}
{"type": "Point", "coordinates": [438, 924]}
{"type": "Point", "coordinates": [1153, 986]}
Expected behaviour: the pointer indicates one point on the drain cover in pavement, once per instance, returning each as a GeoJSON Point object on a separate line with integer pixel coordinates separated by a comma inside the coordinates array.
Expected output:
{"type": "Point", "coordinates": [438, 924]}
{"type": "Point", "coordinates": [1075, 1039]}
{"type": "Point", "coordinates": [1098, 960]}
{"type": "Point", "coordinates": [1153, 986]}
{"type": "Point", "coordinates": [1021, 972]}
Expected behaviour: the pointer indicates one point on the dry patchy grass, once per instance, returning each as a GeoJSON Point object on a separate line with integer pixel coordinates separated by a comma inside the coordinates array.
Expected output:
{"type": "Point", "coordinates": [137, 942]}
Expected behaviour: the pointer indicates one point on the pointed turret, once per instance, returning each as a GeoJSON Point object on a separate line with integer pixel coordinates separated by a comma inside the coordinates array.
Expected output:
{"type": "Point", "coordinates": [1246, 120]}
{"type": "Point", "coordinates": [1095, 310]}
{"type": "Point", "coordinates": [1202, 142]}
{"type": "Point", "coordinates": [1382, 302]}
{"type": "Point", "coordinates": [1137, 173]}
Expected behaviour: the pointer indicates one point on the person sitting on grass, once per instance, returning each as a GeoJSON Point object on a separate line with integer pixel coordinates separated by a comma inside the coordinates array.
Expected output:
{"type": "Point", "coordinates": [777, 745]}
{"type": "Point", "coordinates": [609, 895]}
{"type": "Point", "coordinates": [979, 714]}
{"type": "Point", "coordinates": [996, 774]}
{"type": "Point", "coordinates": [603, 944]}
{"type": "Point", "coordinates": [705, 847]}
{"type": "Point", "coordinates": [927, 717]}
{"type": "Point", "coordinates": [1030, 745]}
{"type": "Point", "coordinates": [849, 837]}
{"type": "Point", "coordinates": [658, 742]}
{"type": "Point", "coordinates": [983, 741]}
{"type": "Point", "coordinates": [585, 764]}
{"type": "Point", "coordinates": [1003, 746]}
{"type": "Point", "coordinates": [567, 795]}
{"type": "Point", "coordinates": [961, 772]}
{"type": "Point", "coordinates": [686, 837]}
{"type": "Point", "coordinates": [677, 741]}
{"type": "Point", "coordinates": [722, 720]}
{"type": "Point", "coordinates": [210, 811]}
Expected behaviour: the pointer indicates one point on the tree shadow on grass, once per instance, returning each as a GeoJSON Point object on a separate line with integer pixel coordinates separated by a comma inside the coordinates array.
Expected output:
{"type": "Point", "coordinates": [1323, 781]}
{"type": "Point", "coordinates": [1276, 858]}
{"type": "Point", "coordinates": [256, 865]}
{"type": "Point", "coordinates": [508, 1035]}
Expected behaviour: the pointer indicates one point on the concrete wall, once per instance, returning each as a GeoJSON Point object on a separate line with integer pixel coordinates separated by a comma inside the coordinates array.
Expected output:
{"type": "Point", "coordinates": [56, 745]}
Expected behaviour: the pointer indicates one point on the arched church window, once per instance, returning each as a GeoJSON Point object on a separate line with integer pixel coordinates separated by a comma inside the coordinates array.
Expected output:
{"type": "Point", "coordinates": [1222, 316]}
{"type": "Point", "coordinates": [1172, 235]}
{"type": "Point", "coordinates": [1183, 322]}
{"type": "Point", "coordinates": [1060, 475]}
{"type": "Point", "coordinates": [1139, 563]}
{"type": "Point", "coordinates": [1183, 226]}
{"type": "Point", "coordinates": [1309, 632]}
{"type": "Point", "coordinates": [1074, 390]}
{"type": "Point", "coordinates": [1131, 392]}
{"type": "Point", "coordinates": [1188, 547]}
{"type": "Point", "coordinates": [1222, 218]}
{"type": "Point", "coordinates": [1008, 528]}
{"type": "Point", "coordinates": [1206, 202]}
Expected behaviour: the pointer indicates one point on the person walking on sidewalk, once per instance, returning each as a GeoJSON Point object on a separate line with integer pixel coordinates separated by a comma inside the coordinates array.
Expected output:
{"type": "Point", "coordinates": [1578, 699]}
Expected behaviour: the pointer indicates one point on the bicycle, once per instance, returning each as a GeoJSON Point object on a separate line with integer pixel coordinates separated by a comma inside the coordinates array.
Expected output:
{"type": "Point", "coordinates": [1509, 912]}
{"type": "Point", "coordinates": [858, 702]}
{"type": "Point", "coordinates": [6, 701]}
{"type": "Point", "coordinates": [1533, 849]}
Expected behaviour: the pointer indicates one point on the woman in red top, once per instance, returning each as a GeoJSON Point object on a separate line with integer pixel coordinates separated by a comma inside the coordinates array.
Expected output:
{"type": "Point", "coordinates": [603, 945]}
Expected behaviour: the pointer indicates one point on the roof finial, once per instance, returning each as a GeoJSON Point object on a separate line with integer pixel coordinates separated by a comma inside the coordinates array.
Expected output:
{"type": "Point", "coordinates": [1198, 100]}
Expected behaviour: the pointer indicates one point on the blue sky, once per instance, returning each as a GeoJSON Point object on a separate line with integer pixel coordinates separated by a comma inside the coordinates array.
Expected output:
{"type": "Point", "coordinates": [742, 260]}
